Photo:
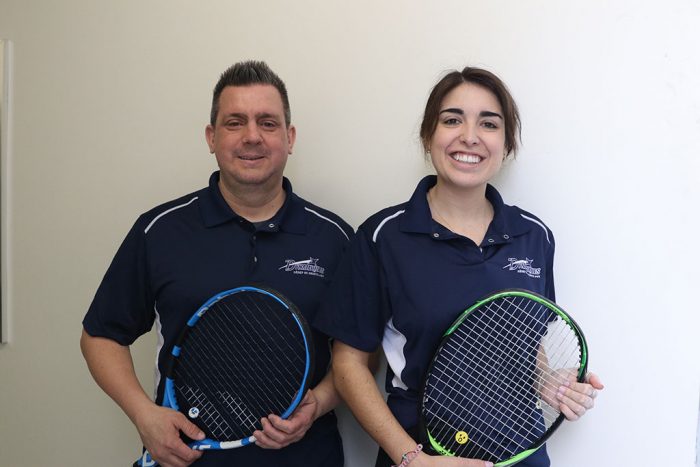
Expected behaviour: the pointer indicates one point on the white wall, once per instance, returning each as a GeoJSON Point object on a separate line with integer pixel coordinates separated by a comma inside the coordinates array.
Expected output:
{"type": "Point", "coordinates": [111, 100]}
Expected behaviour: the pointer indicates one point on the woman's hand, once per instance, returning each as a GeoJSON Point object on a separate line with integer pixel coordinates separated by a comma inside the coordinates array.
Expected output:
{"type": "Point", "coordinates": [425, 460]}
{"type": "Point", "coordinates": [575, 399]}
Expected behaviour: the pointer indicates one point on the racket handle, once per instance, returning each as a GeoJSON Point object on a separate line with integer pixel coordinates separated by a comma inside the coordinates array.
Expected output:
{"type": "Point", "coordinates": [145, 461]}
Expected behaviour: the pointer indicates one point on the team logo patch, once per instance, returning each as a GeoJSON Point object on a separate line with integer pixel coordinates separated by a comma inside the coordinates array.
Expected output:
{"type": "Point", "coordinates": [308, 267]}
{"type": "Point", "coordinates": [523, 266]}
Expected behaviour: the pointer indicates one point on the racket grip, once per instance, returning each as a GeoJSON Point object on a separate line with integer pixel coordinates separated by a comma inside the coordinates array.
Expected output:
{"type": "Point", "coordinates": [145, 461]}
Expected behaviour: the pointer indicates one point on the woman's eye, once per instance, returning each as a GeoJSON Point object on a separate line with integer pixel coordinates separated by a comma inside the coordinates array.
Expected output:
{"type": "Point", "coordinates": [491, 125]}
{"type": "Point", "coordinates": [451, 121]}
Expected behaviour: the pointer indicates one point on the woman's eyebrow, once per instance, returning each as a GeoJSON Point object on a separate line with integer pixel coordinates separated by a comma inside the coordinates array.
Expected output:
{"type": "Point", "coordinates": [453, 110]}
{"type": "Point", "coordinates": [483, 113]}
{"type": "Point", "coordinates": [487, 113]}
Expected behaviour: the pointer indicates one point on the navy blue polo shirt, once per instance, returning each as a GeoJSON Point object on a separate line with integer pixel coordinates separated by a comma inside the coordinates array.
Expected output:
{"type": "Point", "coordinates": [179, 254]}
{"type": "Point", "coordinates": [407, 278]}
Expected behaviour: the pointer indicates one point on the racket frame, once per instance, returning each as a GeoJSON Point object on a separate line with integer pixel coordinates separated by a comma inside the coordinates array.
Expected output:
{"type": "Point", "coordinates": [580, 377]}
{"type": "Point", "coordinates": [169, 397]}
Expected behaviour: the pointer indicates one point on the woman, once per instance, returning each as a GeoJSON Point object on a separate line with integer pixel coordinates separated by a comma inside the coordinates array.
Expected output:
{"type": "Point", "coordinates": [414, 267]}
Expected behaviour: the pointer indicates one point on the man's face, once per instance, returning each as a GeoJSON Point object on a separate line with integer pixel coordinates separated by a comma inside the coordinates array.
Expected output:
{"type": "Point", "coordinates": [250, 138]}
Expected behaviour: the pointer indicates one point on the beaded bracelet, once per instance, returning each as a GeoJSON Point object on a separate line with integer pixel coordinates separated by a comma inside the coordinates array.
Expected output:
{"type": "Point", "coordinates": [409, 456]}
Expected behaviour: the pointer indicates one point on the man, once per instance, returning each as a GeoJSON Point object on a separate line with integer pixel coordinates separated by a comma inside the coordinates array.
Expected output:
{"type": "Point", "coordinates": [247, 226]}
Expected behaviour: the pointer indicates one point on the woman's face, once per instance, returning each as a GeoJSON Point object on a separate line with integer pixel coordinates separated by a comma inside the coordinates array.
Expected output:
{"type": "Point", "coordinates": [468, 145]}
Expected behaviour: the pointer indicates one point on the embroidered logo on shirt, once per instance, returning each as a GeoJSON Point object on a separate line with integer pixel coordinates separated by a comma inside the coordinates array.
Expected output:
{"type": "Point", "coordinates": [307, 267]}
{"type": "Point", "coordinates": [523, 266]}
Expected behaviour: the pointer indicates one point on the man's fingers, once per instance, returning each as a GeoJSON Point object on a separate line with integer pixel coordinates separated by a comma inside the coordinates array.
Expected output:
{"type": "Point", "coordinates": [180, 453]}
{"type": "Point", "coordinates": [267, 439]}
{"type": "Point", "coordinates": [188, 428]}
{"type": "Point", "coordinates": [290, 425]}
{"type": "Point", "coordinates": [271, 435]}
{"type": "Point", "coordinates": [176, 456]}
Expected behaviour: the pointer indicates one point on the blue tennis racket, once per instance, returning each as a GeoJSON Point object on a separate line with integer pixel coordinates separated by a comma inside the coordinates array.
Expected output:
{"type": "Point", "coordinates": [245, 354]}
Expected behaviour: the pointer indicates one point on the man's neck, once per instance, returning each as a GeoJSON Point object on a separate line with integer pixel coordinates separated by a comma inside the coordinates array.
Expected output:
{"type": "Point", "coordinates": [254, 203]}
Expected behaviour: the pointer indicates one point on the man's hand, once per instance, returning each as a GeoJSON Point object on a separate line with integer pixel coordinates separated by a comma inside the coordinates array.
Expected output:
{"type": "Point", "coordinates": [160, 429]}
{"type": "Point", "coordinates": [278, 433]}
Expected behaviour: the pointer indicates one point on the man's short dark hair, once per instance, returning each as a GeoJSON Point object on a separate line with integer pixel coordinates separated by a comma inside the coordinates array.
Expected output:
{"type": "Point", "coordinates": [248, 73]}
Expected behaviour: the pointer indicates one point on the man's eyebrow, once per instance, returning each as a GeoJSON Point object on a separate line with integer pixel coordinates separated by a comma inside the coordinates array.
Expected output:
{"type": "Point", "coordinates": [267, 115]}
{"type": "Point", "coordinates": [483, 113]}
{"type": "Point", "coordinates": [234, 114]}
{"type": "Point", "coordinates": [257, 115]}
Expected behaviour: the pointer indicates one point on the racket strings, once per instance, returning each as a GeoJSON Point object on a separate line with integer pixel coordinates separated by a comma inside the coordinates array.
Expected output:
{"type": "Point", "coordinates": [236, 406]}
{"type": "Point", "coordinates": [491, 426]}
{"type": "Point", "coordinates": [460, 397]}
{"type": "Point", "coordinates": [496, 428]}
{"type": "Point", "coordinates": [511, 368]}
{"type": "Point", "coordinates": [226, 363]}
{"type": "Point", "coordinates": [236, 422]}
{"type": "Point", "coordinates": [486, 390]}
{"type": "Point", "coordinates": [483, 392]}
{"type": "Point", "coordinates": [212, 418]}
{"type": "Point", "coordinates": [199, 386]}
{"type": "Point", "coordinates": [480, 394]}
{"type": "Point", "coordinates": [551, 412]}
{"type": "Point", "coordinates": [207, 397]}
{"type": "Point", "coordinates": [264, 343]}
{"type": "Point", "coordinates": [293, 350]}
{"type": "Point", "coordinates": [244, 359]}
{"type": "Point", "coordinates": [286, 354]}
{"type": "Point", "coordinates": [502, 360]}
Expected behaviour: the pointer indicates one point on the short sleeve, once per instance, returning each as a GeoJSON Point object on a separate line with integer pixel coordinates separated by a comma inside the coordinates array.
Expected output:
{"type": "Point", "coordinates": [122, 309]}
{"type": "Point", "coordinates": [355, 310]}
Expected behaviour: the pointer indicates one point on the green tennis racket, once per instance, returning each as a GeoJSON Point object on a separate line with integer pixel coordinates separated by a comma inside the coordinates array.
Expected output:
{"type": "Point", "coordinates": [490, 392]}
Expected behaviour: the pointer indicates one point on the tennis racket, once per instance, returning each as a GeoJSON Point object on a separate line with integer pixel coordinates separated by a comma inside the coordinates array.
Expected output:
{"type": "Point", "coordinates": [490, 391]}
{"type": "Point", "coordinates": [245, 354]}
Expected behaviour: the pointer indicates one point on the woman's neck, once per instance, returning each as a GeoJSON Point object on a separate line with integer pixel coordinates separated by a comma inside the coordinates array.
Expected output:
{"type": "Point", "coordinates": [464, 212]}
